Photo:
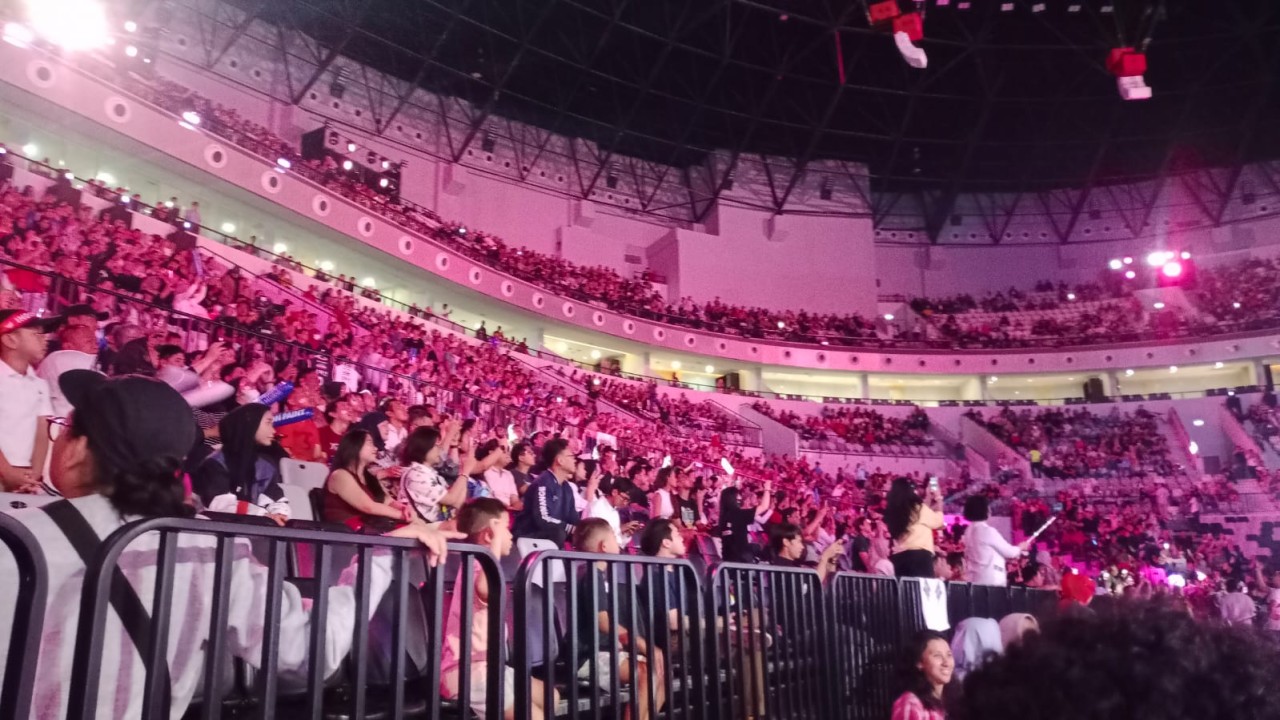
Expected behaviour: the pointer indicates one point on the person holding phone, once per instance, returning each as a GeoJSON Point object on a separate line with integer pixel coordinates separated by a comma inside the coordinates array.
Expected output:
{"type": "Point", "coordinates": [985, 549]}
{"type": "Point", "coordinates": [911, 522]}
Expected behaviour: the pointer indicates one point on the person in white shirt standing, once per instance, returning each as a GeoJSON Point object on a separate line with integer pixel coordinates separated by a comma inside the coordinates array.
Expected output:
{"type": "Point", "coordinates": [985, 549]}
{"type": "Point", "coordinates": [26, 404]}
{"type": "Point", "coordinates": [79, 352]}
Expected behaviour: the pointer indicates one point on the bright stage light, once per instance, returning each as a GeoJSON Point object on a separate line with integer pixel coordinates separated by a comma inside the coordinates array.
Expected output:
{"type": "Point", "coordinates": [73, 25]}
{"type": "Point", "coordinates": [1159, 257]}
{"type": "Point", "coordinates": [1116, 264]}
{"type": "Point", "coordinates": [18, 34]}
{"type": "Point", "coordinates": [1172, 269]}
{"type": "Point", "coordinates": [1129, 274]}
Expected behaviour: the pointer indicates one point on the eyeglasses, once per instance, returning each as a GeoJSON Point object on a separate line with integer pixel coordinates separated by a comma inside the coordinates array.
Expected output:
{"type": "Point", "coordinates": [56, 426]}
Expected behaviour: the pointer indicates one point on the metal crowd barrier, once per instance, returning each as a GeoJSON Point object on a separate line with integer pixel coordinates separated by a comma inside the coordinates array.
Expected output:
{"type": "Point", "coordinates": [558, 593]}
{"type": "Point", "coordinates": [868, 639]}
{"type": "Point", "coordinates": [392, 666]}
{"type": "Point", "coordinates": [27, 624]}
{"type": "Point", "coordinates": [773, 651]}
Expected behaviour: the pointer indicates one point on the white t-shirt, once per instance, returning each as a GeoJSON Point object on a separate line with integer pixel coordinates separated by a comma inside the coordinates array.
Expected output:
{"type": "Point", "coordinates": [52, 367]}
{"type": "Point", "coordinates": [24, 399]}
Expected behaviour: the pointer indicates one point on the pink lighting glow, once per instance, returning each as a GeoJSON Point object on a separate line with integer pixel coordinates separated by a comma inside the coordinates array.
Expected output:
{"type": "Point", "coordinates": [1172, 269]}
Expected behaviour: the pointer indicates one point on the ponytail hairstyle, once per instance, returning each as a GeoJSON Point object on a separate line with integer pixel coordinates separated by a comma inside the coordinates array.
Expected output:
{"type": "Point", "coordinates": [152, 487]}
{"type": "Point", "coordinates": [348, 458]}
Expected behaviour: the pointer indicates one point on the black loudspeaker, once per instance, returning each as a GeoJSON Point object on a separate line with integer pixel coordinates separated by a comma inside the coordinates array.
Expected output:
{"type": "Point", "coordinates": [729, 381]}
{"type": "Point", "coordinates": [1093, 390]}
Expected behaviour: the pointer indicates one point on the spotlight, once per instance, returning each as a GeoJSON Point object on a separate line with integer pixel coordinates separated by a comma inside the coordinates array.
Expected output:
{"type": "Point", "coordinates": [383, 182]}
{"type": "Point", "coordinates": [1158, 306]}
{"type": "Point", "coordinates": [1235, 305]}
{"type": "Point", "coordinates": [1173, 369]}
{"type": "Point", "coordinates": [347, 165]}
{"type": "Point", "coordinates": [1218, 365]}
{"type": "Point", "coordinates": [284, 163]}
{"type": "Point", "coordinates": [368, 282]}
{"type": "Point", "coordinates": [595, 354]}
{"type": "Point", "coordinates": [1158, 258]}
{"type": "Point", "coordinates": [30, 150]}
{"type": "Point", "coordinates": [1128, 261]}
{"type": "Point", "coordinates": [351, 147]}
{"type": "Point", "coordinates": [228, 228]}
{"type": "Point", "coordinates": [1071, 296]}
{"type": "Point", "coordinates": [781, 325]}
{"type": "Point", "coordinates": [1129, 274]}
{"type": "Point", "coordinates": [130, 26]}
{"type": "Point", "coordinates": [1198, 422]}
{"type": "Point", "coordinates": [888, 317]}
{"type": "Point", "coordinates": [1128, 373]}
{"type": "Point", "coordinates": [1116, 264]}
{"type": "Point", "coordinates": [191, 117]}
{"type": "Point", "coordinates": [73, 25]}
{"type": "Point", "coordinates": [18, 35]}
{"type": "Point", "coordinates": [279, 248]}
{"type": "Point", "coordinates": [675, 364]}
{"type": "Point", "coordinates": [131, 51]}
{"type": "Point", "coordinates": [1185, 255]}
{"type": "Point", "coordinates": [386, 164]}
{"type": "Point", "coordinates": [1172, 269]}
{"type": "Point", "coordinates": [710, 369]}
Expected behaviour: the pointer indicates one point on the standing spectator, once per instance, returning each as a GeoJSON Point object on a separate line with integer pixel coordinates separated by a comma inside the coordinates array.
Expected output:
{"type": "Point", "coordinates": [860, 546]}
{"type": "Point", "coordinates": [549, 508]}
{"type": "Point", "coordinates": [25, 400]}
{"type": "Point", "coordinates": [192, 215]}
{"type": "Point", "coordinates": [79, 352]}
{"type": "Point", "coordinates": [1235, 606]}
{"type": "Point", "coordinates": [927, 668]}
{"type": "Point", "coordinates": [985, 549]}
{"type": "Point", "coordinates": [911, 523]}
{"type": "Point", "coordinates": [736, 522]}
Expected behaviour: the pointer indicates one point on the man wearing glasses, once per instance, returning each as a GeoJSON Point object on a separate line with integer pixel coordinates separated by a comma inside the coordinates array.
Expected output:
{"type": "Point", "coordinates": [26, 400]}
{"type": "Point", "coordinates": [549, 505]}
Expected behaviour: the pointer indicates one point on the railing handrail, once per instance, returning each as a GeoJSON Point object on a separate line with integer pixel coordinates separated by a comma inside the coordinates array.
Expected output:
{"type": "Point", "coordinates": [32, 583]}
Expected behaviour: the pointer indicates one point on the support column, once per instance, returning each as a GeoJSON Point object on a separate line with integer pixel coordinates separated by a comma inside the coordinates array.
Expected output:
{"type": "Point", "coordinates": [984, 385]}
{"type": "Point", "coordinates": [864, 386]}
{"type": "Point", "coordinates": [1261, 376]}
{"type": "Point", "coordinates": [1111, 384]}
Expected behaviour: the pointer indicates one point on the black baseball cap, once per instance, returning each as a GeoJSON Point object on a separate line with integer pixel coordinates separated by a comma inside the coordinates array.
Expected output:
{"type": "Point", "coordinates": [130, 419]}
{"type": "Point", "coordinates": [82, 310]}
{"type": "Point", "coordinates": [11, 320]}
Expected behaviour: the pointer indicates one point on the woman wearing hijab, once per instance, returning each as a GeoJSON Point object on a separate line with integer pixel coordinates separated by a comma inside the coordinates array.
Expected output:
{"type": "Point", "coordinates": [244, 476]}
{"type": "Point", "coordinates": [1016, 626]}
{"type": "Point", "coordinates": [976, 639]}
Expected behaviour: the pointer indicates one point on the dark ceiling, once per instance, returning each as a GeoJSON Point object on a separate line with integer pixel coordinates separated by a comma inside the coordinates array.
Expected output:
{"type": "Point", "coordinates": [1013, 99]}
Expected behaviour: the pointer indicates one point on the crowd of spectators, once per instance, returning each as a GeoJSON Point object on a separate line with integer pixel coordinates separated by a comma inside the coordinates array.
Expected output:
{"type": "Point", "coordinates": [863, 427]}
{"type": "Point", "coordinates": [1078, 443]}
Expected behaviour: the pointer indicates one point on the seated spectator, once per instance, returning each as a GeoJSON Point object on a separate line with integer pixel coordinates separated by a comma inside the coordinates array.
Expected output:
{"type": "Point", "coordinates": [607, 505]}
{"type": "Point", "coordinates": [352, 494]}
{"type": "Point", "coordinates": [1015, 627]}
{"type": "Point", "coordinates": [549, 506]}
{"type": "Point", "coordinates": [911, 523]}
{"type": "Point", "coordinates": [661, 538]}
{"type": "Point", "coordinates": [243, 477]}
{"type": "Point", "coordinates": [1147, 660]}
{"type": "Point", "coordinates": [79, 351]}
{"type": "Point", "coordinates": [500, 481]}
{"type": "Point", "coordinates": [484, 522]}
{"type": "Point", "coordinates": [117, 460]}
{"type": "Point", "coordinates": [788, 550]}
{"type": "Point", "coordinates": [599, 634]}
{"type": "Point", "coordinates": [926, 669]}
{"type": "Point", "coordinates": [975, 641]}
{"type": "Point", "coordinates": [26, 404]}
{"type": "Point", "coordinates": [421, 486]}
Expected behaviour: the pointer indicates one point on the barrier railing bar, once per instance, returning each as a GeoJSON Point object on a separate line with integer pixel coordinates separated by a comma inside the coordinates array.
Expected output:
{"type": "Point", "coordinates": [217, 644]}
{"type": "Point", "coordinates": [276, 569]}
{"type": "Point", "coordinates": [24, 637]}
{"type": "Point", "coordinates": [155, 694]}
{"type": "Point", "coordinates": [360, 643]}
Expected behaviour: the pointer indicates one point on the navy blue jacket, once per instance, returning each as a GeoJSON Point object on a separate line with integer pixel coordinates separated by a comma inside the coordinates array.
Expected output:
{"type": "Point", "coordinates": [549, 510]}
